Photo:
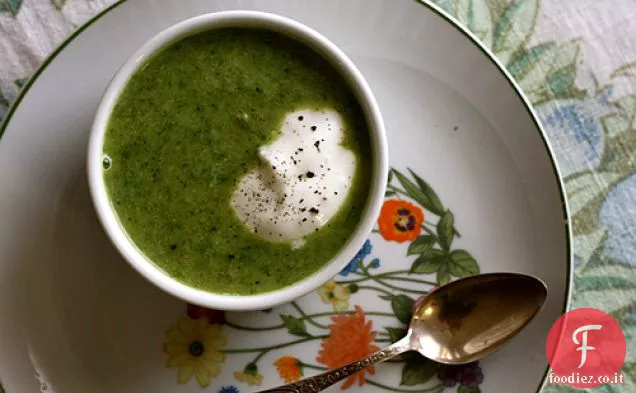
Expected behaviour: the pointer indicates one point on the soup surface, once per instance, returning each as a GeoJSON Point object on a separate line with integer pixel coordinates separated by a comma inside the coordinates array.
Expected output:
{"type": "Point", "coordinates": [192, 124]}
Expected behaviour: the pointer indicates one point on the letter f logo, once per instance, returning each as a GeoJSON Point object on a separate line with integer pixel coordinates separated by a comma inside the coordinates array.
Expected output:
{"type": "Point", "coordinates": [584, 347]}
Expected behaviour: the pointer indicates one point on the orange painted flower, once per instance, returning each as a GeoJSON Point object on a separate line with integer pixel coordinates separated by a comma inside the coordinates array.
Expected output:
{"type": "Point", "coordinates": [289, 368]}
{"type": "Point", "coordinates": [400, 220]}
{"type": "Point", "coordinates": [350, 339]}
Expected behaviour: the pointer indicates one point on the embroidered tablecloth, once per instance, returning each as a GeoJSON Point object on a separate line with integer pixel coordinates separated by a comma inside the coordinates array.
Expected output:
{"type": "Point", "coordinates": [574, 59]}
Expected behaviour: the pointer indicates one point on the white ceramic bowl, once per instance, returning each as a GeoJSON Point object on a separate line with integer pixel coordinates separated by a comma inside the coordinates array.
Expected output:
{"type": "Point", "coordinates": [241, 19]}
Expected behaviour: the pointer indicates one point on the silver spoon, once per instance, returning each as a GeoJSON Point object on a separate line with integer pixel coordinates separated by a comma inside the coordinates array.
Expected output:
{"type": "Point", "coordinates": [457, 323]}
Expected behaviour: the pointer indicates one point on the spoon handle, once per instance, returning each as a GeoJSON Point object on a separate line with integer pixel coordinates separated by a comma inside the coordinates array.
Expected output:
{"type": "Point", "coordinates": [322, 381]}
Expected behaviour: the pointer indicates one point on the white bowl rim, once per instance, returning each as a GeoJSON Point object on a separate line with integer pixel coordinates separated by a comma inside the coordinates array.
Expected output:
{"type": "Point", "coordinates": [247, 19]}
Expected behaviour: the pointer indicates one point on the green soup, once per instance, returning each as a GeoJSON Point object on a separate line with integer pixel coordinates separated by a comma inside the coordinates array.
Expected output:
{"type": "Point", "coordinates": [177, 144]}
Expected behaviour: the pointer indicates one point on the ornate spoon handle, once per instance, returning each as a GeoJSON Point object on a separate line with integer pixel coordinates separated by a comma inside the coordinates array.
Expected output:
{"type": "Point", "coordinates": [322, 381]}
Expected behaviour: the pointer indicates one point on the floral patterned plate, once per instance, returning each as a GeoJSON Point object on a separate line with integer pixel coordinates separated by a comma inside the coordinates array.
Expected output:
{"type": "Point", "coordinates": [472, 189]}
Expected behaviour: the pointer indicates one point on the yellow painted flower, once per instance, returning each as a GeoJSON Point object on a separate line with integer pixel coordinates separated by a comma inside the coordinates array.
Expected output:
{"type": "Point", "coordinates": [249, 375]}
{"type": "Point", "coordinates": [336, 294]}
{"type": "Point", "coordinates": [194, 347]}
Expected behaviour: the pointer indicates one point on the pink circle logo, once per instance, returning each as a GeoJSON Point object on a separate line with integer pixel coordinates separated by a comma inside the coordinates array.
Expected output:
{"type": "Point", "coordinates": [586, 348]}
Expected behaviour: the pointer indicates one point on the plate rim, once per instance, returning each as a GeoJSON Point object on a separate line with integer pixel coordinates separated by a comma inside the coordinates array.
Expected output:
{"type": "Point", "coordinates": [4, 124]}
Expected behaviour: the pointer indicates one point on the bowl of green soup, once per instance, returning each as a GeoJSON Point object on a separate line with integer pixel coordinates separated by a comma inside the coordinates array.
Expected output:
{"type": "Point", "coordinates": [238, 160]}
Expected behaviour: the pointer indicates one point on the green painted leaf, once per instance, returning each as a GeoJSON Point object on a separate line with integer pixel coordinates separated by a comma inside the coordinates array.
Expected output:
{"type": "Point", "coordinates": [3, 101]}
{"type": "Point", "coordinates": [629, 370]}
{"type": "Point", "coordinates": [562, 81]}
{"type": "Point", "coordinates": [428, 263]}
{"type": "Point", "coordinates": [620, 138]}
{"type": "Point", "coordinates": [295, 326]}
{"type": "Point", "coordinates": [417, 372]}
{"type": "Point", "coordinates": [389, 194]}
{"type": "Point", "coordinates": [613, 301]}
{"type": "Point", "coordinates": [434, 203]}
{"type": "Point", "coordinates": [521, 63]}
{"type": "Point", "coordinates": [20, 82]}
{"type": "Point", "coordinates": [630, 335]}
{"type": "Point", "coordinates": [586, 192]}
{"type": "Point", "coordinates": [514, 28]}
{"type": "Point", "coordinates": [463, 264]}
{"type": "Point", "coordinates": [59, 4]}
{"type": "Point", "coordinates": [627, 106]}
{"type": "Point", "coordinates": [446, 5]}
{"type": "Point", "coordinates": [353, 288]}
{"type": "Point", "coordinates": [466, 389]}
{"type": "Point", "coordinates": [623, 119]}
{"type": "Point", "coordinates": [476, 16]}
{"type": "Point", "coordinates": [618, 155]}
{"type": "Point", "coordinates": [421, 244]}
{"type": "Point", "coordinates": [412, 190]}
{"type": "Point", "coordinates": [626, 70]}
{"type": "Point", "coordinates": [550, 71]}
{"type": "Point", "coordinates": [497, 9]}
{"type": "Point", "coordinates": [390, 179]}
{"type": "Point", "coordinates": [616, 123]}
{"type": "Point", "coordinates": [445, 231]}
{"type": "Point", "coordinates": [396, 334]}
{"type": "Point", "coordinates": [402, 306]}
{"type": "Point", "coordinates": [610, 389]}
{"type": "Point", "coordinates": [552, 58]}
{"type": "Point", "coordinates": [609, 267]}
{"type": "Point", "coordinates": [589, 247]}
{"type": "Point", "coordinates": [625, 316]}
{"type": "Point", "coordinates": [10, 6]}
{"type": "Point", "coordinates": [581, 188]}
{"type": "Point", "coordinates": [603, 283]}
{"type": "Point", "coordinates": [443, 275]}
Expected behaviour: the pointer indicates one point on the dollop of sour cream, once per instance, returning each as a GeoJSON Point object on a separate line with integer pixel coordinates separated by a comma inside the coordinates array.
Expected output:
{"type": "Point", "coordinates": [303, 180]}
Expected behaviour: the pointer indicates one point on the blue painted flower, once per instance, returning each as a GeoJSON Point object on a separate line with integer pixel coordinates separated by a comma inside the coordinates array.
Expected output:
{"type": "Point", "coordinates": [605, 95]}
{"type": "Point", "coordinates": [354, 264]}
{"type": "Point", "coordinates": [375, 263]}
{"type": "Point", "coordinates": [618, 215]}
{"type": "Point", "coordinates": [366, 249]}
{"type": "Point", "coordinates": [229, 389]}
{"type": "Point", "coordinates": [351, 267]}
{"type": "Point", "coordinates": [581, 122]}
{"type": "Point", "coordinates": [575, 131]}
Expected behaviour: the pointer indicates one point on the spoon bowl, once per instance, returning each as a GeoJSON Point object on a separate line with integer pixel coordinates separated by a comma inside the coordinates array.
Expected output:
{"type": "Point", "coordinates": [473, 317]}
{"type": "Point", "coordinates": [457, 323]}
